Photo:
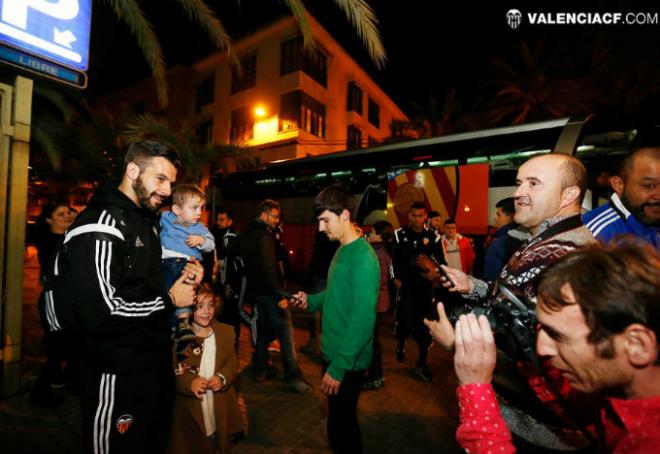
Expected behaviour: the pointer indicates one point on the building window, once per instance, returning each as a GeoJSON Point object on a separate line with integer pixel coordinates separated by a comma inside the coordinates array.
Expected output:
{"type": "Point", "coordinates": [204, 132]}
{"type": "Point", "coordinates": [312, 62]}
{"type": "Point", "coordinates": [205, 93]}
{"type": "Point", "coordinates": [248, 76]}
{"type": "Point", "coordinates": [242, 125]}
{"type": "Point", "coordinates": [374, 113]}
{"type": "Point", "coordinates": [354, 98]}
{"type": "Point", "coordinates": [353, 138]}
{"type": "Point", "coordinates": [298, 110]}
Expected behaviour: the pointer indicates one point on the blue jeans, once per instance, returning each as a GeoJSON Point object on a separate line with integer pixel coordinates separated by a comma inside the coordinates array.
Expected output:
{"type": "Point", "coordinates": [172, 268]}
{"type": "Point", "coordinates": [274, 320]}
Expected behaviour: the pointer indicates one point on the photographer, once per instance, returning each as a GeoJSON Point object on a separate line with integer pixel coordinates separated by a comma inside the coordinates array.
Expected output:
{"type": "Point", "coordinates": [548, 198]}
{"type": "Point", "coordinates": [604, 341]}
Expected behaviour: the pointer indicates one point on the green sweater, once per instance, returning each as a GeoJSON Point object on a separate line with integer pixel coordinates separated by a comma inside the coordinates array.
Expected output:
{"type": "Point", "coordinates": [349, 308]}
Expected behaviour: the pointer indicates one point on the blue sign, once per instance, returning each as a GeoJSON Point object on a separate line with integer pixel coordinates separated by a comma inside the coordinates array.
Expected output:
{"type": "Point", "coordinates": [42, 67]}
{"type": "Point", "coordinates": [56, 30]}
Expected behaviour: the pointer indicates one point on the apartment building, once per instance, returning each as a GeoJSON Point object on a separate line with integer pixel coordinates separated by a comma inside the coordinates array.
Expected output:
{"type": "Point", "coordinates": [285, 102]}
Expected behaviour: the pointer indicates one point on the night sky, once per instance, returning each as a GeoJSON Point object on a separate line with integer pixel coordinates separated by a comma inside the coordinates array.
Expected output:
{"type": "Point", "coordinates": [433, 46]}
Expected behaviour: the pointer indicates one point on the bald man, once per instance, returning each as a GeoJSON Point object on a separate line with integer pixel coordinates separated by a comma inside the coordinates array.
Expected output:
{"type": "Point", "coordinates": [548, 199]}
{"type": "Point", "coordinates": [634, 208]}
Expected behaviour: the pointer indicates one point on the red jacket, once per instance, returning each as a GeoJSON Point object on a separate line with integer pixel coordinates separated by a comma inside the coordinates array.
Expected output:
{"type": "Point", "coordinates": [625, 426]}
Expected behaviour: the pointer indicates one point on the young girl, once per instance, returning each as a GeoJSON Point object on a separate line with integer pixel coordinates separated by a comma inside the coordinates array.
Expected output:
{"type": "Point", "coordinates": [206, 408]}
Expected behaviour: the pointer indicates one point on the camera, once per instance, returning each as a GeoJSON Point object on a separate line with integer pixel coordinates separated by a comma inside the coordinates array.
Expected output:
{"type": "Point", "coordinates": [512, 316]}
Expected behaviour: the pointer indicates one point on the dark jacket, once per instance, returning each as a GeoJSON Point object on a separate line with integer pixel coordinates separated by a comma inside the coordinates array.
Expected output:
{"type": "Point", "coordinates": [500, 251]}
{"type": "Point", "coordinates": [259, 250]}
{"type": "Point", "coordinates": [112, 264]}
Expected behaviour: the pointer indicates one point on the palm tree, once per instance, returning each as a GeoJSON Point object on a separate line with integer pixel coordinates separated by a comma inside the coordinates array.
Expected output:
{"type": "Point", "coordinates": [537, 86]}
{"type": "Point", "coordinates": [195, 156]}
{"type": "Point", "coordinates": [130, 12]}
{"type": "Point", "coordinates": [441, 115]}
{"type": "Point", "coordinates": [73, 136]}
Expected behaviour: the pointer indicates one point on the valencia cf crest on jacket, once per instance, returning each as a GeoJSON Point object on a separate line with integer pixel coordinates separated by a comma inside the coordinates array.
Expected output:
{"type": "Point", "coordinates": [124, 422]}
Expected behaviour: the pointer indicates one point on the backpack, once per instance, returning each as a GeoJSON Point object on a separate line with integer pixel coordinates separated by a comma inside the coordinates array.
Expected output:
{"type": "Point", "coordinates": [58, 293]}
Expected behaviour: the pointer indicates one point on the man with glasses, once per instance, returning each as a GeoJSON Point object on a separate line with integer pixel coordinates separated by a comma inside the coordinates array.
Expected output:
{"type": "Point", "coordinates": [265, 281]}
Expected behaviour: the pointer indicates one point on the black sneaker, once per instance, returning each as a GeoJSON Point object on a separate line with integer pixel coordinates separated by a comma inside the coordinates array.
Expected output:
{"type": "Point", "coordinates": [184, 332]}
{"type": "Point", "coordinates": [400, 353]}
{"type": "Point", "coordinates": [424, 373]}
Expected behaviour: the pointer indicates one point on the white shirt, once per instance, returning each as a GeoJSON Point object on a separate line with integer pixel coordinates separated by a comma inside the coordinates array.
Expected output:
{"type": "Point", "coordinates": [207, 370]}
{"type": "Point", "coordinates": [452, 252]}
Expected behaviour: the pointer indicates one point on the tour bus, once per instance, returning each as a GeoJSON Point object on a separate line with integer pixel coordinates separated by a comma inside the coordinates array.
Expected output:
{"type": "Point", "coordinates": [462, 176]}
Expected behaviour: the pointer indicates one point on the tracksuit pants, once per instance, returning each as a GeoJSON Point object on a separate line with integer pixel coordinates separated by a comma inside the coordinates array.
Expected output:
{"type": "Point", "coordinates": [127, 411]}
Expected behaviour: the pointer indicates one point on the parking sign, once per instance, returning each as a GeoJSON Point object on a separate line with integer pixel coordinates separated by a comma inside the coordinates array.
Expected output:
{"type": "Point", "coordinates": [57, 30]}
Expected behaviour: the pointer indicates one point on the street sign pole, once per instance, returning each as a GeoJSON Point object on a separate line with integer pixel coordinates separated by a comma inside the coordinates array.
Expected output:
{"type": "Point", "coordinates": [51, 38]}
{"type": "Point", "coordinates": [15, 157]}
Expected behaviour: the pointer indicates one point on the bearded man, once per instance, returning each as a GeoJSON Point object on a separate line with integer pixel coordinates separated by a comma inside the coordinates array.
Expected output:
{"type": "Point", "coordinates": [634, 207]}
{"type": "Point", "coordinates": [111, 259]}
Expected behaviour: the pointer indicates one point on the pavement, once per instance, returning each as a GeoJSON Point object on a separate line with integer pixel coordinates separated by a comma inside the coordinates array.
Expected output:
{"type": "Point", "coordinates": [405, 416]}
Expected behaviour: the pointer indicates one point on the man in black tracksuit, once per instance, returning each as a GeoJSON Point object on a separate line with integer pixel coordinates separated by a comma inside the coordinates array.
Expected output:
{"type": "Point", "coordinates": [112, 266]}
{"type": "Point", "coordinates": [415, 294]}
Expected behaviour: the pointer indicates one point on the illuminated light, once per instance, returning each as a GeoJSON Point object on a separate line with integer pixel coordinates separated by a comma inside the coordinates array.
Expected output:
{"type": "Point", "coordinates": [585, 148]}
{"type": "Point", "coordinates": [390, 204]}
{"type": "Point", "coordinates": [291, 252]}
{"type": "Point", "coordinates": [259, 111]}
{"type": "Point", "coordinates": [265, 130]}
{"type": "Point", "coordinates": [466, 208]}
{"type": "Point", "coordinates": [449, 163]}
{"type": "Point", "coordinates": [422, 158]}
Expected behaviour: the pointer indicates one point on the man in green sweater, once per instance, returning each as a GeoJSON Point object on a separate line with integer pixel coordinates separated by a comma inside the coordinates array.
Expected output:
{"type": "Point", "coordinates": [348, 307]}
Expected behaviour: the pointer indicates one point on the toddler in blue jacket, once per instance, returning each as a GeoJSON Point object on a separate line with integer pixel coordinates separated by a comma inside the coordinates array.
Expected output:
{"type": "Point", "coordinates": [182, 237]}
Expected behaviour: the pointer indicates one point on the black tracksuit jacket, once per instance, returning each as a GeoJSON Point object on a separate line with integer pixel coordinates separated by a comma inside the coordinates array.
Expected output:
{"type": "Point", "coordinates": [113, 267]}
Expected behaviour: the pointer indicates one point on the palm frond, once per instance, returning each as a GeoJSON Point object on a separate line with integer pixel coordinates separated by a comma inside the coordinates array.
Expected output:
{"type": "Point", "coordinates": [143, 127]}
{"type": "Point", "coordinates": [363, 18]}
{"type": "Point", "coordinates": [130, 13]}
{"type": "Point", "coordinates": [58, 100]}
{"type": "Point", "coordinates": [48, 143]}
{"type": "Point", "coordinates": [298, 10]}
{"type": "Point", "coordinates": [199, 12]}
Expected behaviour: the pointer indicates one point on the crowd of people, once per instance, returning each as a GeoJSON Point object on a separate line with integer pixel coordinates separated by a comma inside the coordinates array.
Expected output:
{"type": "Point", "coordinates": [555, 345]}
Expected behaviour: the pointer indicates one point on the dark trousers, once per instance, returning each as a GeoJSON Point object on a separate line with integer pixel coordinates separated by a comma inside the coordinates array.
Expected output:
{"type": "Point", "coordinates": [126, 412]}
{"type": "Point", "coordinates": [343, 427]}
{"type": "Point", "coordinates": [171, 269]}
{"type": "Point", "coordinates": [62, 356]}
{"type": "Point", "coordinates": [318, 285]}
{"type": "Point", "coordinates": [376, 368]}
{"type": "Point", "coordinates": [272, 319]}
{"type": "Point", "coordinates": [410, 315]}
